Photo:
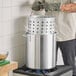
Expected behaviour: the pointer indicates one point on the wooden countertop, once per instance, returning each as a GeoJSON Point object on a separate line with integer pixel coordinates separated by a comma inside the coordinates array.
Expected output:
{"type": "Point", "coordinates": [4, 70]}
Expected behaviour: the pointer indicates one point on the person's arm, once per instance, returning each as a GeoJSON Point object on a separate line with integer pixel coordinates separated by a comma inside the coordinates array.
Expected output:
{"type": "Point", "coordinates": [68, 7]}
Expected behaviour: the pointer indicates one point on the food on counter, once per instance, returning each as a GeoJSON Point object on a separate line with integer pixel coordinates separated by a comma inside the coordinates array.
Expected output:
{"type": "Point", "coordinates": [3, 56]}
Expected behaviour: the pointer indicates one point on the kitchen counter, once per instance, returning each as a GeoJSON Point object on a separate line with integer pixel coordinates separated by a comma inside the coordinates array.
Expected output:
{"type": "Point", "coordinates": [4, 70]}
{"type": "Point", "coordinates": [61, 70]}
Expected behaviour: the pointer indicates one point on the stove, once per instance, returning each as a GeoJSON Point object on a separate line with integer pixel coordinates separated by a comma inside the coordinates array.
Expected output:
{"type": "Point", "coordinates": [60, 70]}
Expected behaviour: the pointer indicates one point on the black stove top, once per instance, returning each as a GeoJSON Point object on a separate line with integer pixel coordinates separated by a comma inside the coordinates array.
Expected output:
{"type": "Point", "coordinates": [34, 72]}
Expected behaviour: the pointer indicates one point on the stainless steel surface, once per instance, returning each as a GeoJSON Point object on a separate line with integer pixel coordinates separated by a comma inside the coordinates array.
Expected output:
{"type": "Point", "coordinates": [19, 74]}
{"type": "Point", "coordinates": [41, 25]}
{"type": "Point", "coordinates": [41, 51]}
{"type": "Point", "coordinates": [41, 43]}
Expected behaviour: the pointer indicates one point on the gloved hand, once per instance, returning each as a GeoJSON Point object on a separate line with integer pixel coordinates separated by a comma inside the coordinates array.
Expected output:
{"type": "Point", "coordinates": [54, 6]}
{"type": "Point", "coordinates": [37, 5]}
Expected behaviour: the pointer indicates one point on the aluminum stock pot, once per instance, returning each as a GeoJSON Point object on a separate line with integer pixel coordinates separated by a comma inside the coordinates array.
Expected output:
{"type": "Point", "coordinates": [41, 42]}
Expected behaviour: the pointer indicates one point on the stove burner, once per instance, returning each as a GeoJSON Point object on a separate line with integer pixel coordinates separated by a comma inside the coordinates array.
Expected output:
{"type": "Point", "coordinates": [26, 70]}
{"type": "Point", "coordinates": [43, 70]}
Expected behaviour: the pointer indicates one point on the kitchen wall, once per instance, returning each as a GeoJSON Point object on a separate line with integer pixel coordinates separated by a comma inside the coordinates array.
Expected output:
{"type": "Point", "coordinates": [13, 18]}
{"type": "Point", "coordinates": [12, 21]}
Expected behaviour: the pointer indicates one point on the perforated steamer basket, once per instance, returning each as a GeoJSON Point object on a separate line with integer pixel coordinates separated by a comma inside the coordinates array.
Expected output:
{"type": "Point", "coordinates": [41, 43]}
{"type": "Point", "coordinates": [41, 25]}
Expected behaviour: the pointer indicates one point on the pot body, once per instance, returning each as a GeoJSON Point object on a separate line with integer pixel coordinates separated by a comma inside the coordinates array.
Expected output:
{"type": "Point", "coordinates": [41, 51]}
{"type": "Point", "coordinates": [41, 42]}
